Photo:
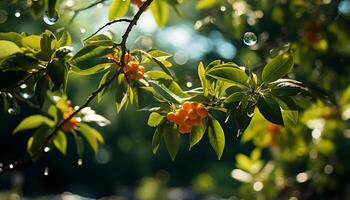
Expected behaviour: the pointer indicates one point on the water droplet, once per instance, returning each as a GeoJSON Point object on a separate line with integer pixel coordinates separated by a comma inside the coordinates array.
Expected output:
{"type": "Point", "coordinates": [222, 8]}
{"type": "Point", "coordinates": [11, 166]}
{"type": "Point", "coordinates": [26, 91]}
{"type": "Point", "coordinates": [17, 13]}
{"type": "Point", "coordinates": [100, 5]}
{"type": "Point", "coordinates": [46, 171]}
{"type": "Point", "coordinates": [23, 86]}
{"type": "Point", "coordinates": [344, 8]}
{"type": "Point", "coordinates": [50, 20]}
{"type": "Point", "coordinates": [12, 111]}
{"type": "Point", "coordinates": [80, 162]}
{"type": "Point", "coordinates": [69, 3]}
{"type": "Point", "coordinates": [3, 16]}
{"type": "Point", "coordinates": [189, 84]}
{"type": "Point", "coordinates": [82, 30]}
{"type": "Point", "coordinates": [250, 38]}
{"type": "Point", "coordinates": [46, 149]}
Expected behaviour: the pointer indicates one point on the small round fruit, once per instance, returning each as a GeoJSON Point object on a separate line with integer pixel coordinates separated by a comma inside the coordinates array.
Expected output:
{"type": "Point", "coordinates": [141, 69]}
{"type": "Point", "coordinates": [171, 117]}
{"type": "Point", "coordinates": [202, 111]}
{"type": "Point", "coordinates": [196, 122]}
{"type": "Point", "coordinates": [182, 112]}
{"type": "Point", "coordinates": [192, 114]}
{"type": "Point", "coordinates": [186, 106]}
{"type": "Point", "coordinates": [188, 122]}
{"type": "Point", "coordinates": [183, 129]}
{"type": "Point", "coordinates": [194, 105]}
{"type": "Point", "coordinates": [179, 119]}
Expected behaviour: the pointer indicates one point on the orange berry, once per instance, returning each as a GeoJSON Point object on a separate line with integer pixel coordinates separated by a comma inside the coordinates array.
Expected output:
{"type": "Point", "coordinates": [188, 122]}
{"type": "Point", "coordinates": [141, 69]}
{"type": "Point", "coordinates": [194, 105]}
{"type": "Point", "coordinates": [137, 2]}
{"type": "Point", "coordinates": [186, 105]}
{"type": "Point", "coordinates": [179, 119]}
{"type": "Point", "coordinates": [202, 111]}
{"type": "Point", "coordinates": [196, 122]}
{"type": "Point", "coordinates": [171, 117]}
{"type": "Point", "coordinates": [192, 114]}
{"type": "Point", "coordinates": [110, 56]}
{"type": "Point", "coordinates": [134, 65]}
{"type": "Point", "coordinates": [273, 128]}
{"type": "Point", "coordinates": [127, 57]}
{"type": "Point", "coordinates": [139, 75]}
{"type": "Point", "coordinates": [183, 129]}
{"type": "Point", "coordinates": [182, 112]}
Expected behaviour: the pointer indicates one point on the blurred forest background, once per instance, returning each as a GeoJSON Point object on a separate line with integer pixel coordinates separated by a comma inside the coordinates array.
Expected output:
{"type": "Point", "coordinates": [307, 161]}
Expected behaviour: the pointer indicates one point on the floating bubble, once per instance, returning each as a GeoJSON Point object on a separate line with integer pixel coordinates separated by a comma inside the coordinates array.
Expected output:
{"type": "Point", "coordinates": [18, 14]}
{"type": "Point", "coordinates": [46, 149]}
{"type": "Point", "coordinates": [11, 166]}
{"type": "Point", "coordinates": [46, 171]}
{"type": "Point", "coordinates": [3, 16]}
{"type": "Point", "coordinates": [344, 8]}
{"type": "Point", "coordinates": [50, 20]}
{"type": "Point", "coordinates": [249, 38]}
{"type": "Point", "coordinates": [80, 162]}
{"type": "Point", "coordinates": [222, 8]}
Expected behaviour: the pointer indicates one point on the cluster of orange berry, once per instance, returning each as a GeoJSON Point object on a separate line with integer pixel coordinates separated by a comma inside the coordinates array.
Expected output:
{"type": "Point", "coordinates": [71, 124]}
{"type": "Point", "coordinates": [190, 114]}
{"type": "Point", "coordinates": [132, 69]}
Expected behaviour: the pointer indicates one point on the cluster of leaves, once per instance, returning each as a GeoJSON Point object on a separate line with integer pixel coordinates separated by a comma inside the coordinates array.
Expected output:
{"type": "Point", "coordinates": [228, 88]}
{"type": "Point", "coordinates": [224, 87]}
{"type": "Point", "coordinates": [47, 60]}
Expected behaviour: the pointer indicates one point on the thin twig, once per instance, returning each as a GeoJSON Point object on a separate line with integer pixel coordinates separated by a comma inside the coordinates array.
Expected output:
{"type": "Point", "coordinates": [93, 95]}
{"type": "Point", "coordinates": [77, 11]}
{"type": "Point", "coordinates": [108, 24]}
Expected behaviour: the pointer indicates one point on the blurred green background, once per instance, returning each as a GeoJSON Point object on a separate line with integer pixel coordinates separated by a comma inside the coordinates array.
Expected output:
{"type": "Point", "coordinates": [308, 161]}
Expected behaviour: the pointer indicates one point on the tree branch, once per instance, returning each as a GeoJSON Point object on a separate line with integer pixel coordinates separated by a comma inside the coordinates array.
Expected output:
{"type": "Point", "coordinates": [122, 45]}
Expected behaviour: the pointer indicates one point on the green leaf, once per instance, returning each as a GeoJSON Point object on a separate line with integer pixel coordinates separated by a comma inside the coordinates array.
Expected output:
{"type": "Point", "coordinates": [229, 74]}
{"type": "Point", "coordinates": [8, 48]}
{"type": "Point", "coordinates": [157, 137]}
{"type": "Point", "coordinates": [155, 61]}
{"type": "Point", "coordinates": [121, 95]}
{"type": "Point", "coordinates": [13, 37]}
{"type": "Point", "coordinates": [235, 97]}
{"type": "Point", "coordinates": [277, 67]}
{"type": "Point", "coordinates": [79, 144]}
{"type": "Point", "coordinates": [155, 119]}
{"type": "Point", "coordinates": [58, 73]}
{"type": "Point", "coordinates": [172, 140]}
{"type": "Point", "coordinates": [60, 142]}
{"type": "Point", "coordinates": [160, 12]}
{"type": "Point", "coordinates": [32, 41]}
{"type": "Point", "coordinates": [33, 122]}
{"type": "Point", "coordinates": [35, 142]}
{"type": "Point", "coordinates": [216, 136]}
{"type": "Point", "coordinates": [118, 8]}
{"type": "Point", "coordinates": [198, 132]}
{"type": "Point", "coordinates": [90, 60]}
{"type": "Point", "coordinates": [155, 75]}
{"type": "Point", "coordinates": [165, 92]}
{"type": "Point", "coordinates": [92, 136]}
{"type": "Point", "coordinates": [270, 109]}
{"type": "Point", "coordinates": [19, 62]}
{"type": "Point", "coordinates": [65, 39]}
{"type": "Point", "coordinates": [240, 120]}
{"type": "Point", "coordinates": [104, 78]}
{"type": "Point", "coordinates": [206, 4]}
{"type": "Point", "coordinates": [99, 40]}
{"type": "Point", "coordinates": [204, 82]}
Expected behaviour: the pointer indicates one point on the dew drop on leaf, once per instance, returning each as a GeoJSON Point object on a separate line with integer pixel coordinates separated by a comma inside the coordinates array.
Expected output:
{"type": "Point", "coordinates": [249, 38]}
{"type": "Point", "coordinates": [80, 162]}
{"type": "Point", "coordinates": [50, 20]}
{"type": "Point", "coordinates": [46, 171]}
